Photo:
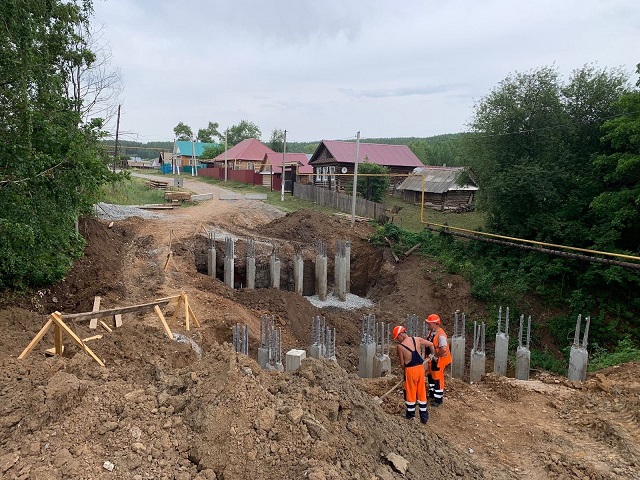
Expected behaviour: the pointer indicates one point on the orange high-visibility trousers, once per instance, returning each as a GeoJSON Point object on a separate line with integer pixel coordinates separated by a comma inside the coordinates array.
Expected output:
{"type": "Point", "coordinates": [436, 377]}
{"type": "Point", "coordinates": [415, 389]}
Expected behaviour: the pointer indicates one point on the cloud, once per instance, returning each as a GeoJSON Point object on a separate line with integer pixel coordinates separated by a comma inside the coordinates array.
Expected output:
{"type": "Point", "coordinates": [402, 91]}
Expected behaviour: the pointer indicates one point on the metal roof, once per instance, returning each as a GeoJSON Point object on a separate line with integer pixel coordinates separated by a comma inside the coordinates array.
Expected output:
{"type": "Point", "coordinates": [249, 149]}
{"type": "Point", "coordinates": [187, 148]}
{"type": "Point", "coordinates": [436, 180]}
{"type": "Point", "coordinates": [275, 159]}
{"type": "Point", "coordinates": [380, 154]}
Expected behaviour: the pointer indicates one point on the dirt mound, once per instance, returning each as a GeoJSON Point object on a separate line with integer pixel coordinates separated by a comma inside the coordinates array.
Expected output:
{"type": "Point", "coordinates": [309, 226]}
{"type": "Point", "coordinates": [160, 412]}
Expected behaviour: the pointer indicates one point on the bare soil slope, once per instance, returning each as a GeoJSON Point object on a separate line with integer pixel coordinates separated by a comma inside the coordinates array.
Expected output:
{"type": "Point", "coordinates": [159, 410]}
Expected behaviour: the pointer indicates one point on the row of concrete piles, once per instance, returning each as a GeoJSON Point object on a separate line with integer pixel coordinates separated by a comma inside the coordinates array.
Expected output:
{"type": "Point", "coordinates": [375, 344]}
{"type": "Point", "coordinates": [342, 267]}
{"type": "Point", "coordinates": [477, 360]}
{"type": "Point", "coordinates": [323, 344]}
{"type": "Point", "coordinates": [477, 363]}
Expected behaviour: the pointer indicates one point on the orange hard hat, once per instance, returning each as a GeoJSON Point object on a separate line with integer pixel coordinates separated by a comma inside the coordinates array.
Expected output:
{"type": "Point", "coordinates": [433, 318]}
{"type": "Point", "coordinates": [398, 330]}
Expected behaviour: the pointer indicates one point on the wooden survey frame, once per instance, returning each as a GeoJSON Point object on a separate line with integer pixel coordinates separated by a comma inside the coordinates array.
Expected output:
{"type": "Point", "coordinates": [60, 327]}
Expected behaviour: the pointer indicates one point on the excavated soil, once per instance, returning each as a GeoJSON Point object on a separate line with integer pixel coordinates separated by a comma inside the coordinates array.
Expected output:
{"type": "Point", "coordinates": [159, 409]}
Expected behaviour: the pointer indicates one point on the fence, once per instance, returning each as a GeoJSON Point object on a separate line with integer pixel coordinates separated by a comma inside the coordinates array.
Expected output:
{"type": "Point", "coordinates": [244, 176]}
{"type": "Point", "coordinates": [339, 201]}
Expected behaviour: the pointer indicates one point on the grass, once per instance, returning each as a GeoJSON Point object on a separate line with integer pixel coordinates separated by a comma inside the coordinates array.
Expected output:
{"type": "Point", "coordinates": [130, 192]}
{"type": "Point", "coordinates": [290, 204]}
{"type": "Point", "coordinates": [624, 352]}
{"type": "Point", "coordinates": [409, 217]}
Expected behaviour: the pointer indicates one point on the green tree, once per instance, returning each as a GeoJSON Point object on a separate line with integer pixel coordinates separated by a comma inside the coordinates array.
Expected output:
{"type": "Point", "coordinates": [617, 207]}
{"type": "Point", "coordinates": [53, 164]}
{"type": "Point", "coordinates": [276, 143]}
{"type": "Point", "coordinates": [210, 133]}
{"type": "Point", "coordinates": [183, 132]}
{"type": "Point", "coordinates": [372, 187]}
{"type": "Point", "coordinates": [212, 151]}
{"type": "Point", "coordinates": [242, 131]}
{"type": "Point", "coordinates": [531, 154]}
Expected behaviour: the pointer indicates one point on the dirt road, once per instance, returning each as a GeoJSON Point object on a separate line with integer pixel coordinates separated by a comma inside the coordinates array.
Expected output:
{"type": "Point", "coordinates": [159, 410]}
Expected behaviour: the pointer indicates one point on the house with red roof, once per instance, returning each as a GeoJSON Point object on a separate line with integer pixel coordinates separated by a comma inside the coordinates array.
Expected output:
{"type": "Point", "coordinates": [246, 155]}
{"type": "Point", "coordinates": [296, 166]}
{"type": "Point", "coordinates": [333, 161]}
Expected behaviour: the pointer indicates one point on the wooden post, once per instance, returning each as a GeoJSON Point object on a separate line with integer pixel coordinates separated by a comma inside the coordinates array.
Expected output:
{"type": "Point", "coordinates": [93, 324]}
{"type": "Point", "coordinates": [57, 335]}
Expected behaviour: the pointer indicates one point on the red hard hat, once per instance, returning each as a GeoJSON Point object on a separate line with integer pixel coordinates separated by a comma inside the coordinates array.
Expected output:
{"type": "Point", "coordinates": [398, 330]}
{"type": "Point", "coordinates": [433, 318]}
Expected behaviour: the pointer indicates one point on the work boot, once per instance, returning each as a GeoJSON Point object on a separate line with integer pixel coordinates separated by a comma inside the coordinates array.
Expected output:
{"type": "Point", "coordinates": [424, 416]}
{"type": "Point", "coordinates": [436, 403]}
{"type": "Point", "coordinates": [409, 416]}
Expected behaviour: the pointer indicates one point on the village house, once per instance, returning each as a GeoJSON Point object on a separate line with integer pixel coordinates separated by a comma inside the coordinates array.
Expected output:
{"type": "Point", "coordinates": [333, 161]}
{"type": "Point", "coordinates": [247, 155]}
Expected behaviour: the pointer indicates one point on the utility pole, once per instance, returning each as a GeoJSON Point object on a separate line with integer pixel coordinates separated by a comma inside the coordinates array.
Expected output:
{"type": "Point", "coordinates": [193, 156]}
{"type": "Point", "coordinates": [284, 152]}
{"type": "Point", "coordinates": [355, 181]}
{"type": "Point", "coordinates": [115, 151]}
{"type": "Point", "coordinates": [225, 154]}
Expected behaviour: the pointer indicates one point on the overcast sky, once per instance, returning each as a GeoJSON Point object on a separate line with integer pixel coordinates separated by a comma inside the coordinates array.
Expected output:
{"type": "Point", "coordinates": [325, 69]}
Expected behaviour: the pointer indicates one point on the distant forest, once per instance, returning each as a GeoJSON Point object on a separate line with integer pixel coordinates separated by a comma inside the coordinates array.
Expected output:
{"type": "Point", "coordinates": [438, 150]}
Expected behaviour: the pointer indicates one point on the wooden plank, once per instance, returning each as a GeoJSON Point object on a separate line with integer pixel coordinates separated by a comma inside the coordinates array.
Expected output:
{"type": "Point", "coordinates": [115, 311]}
{"type": "Point", "coordinates": [95, 337]}
{"type": "Point", "coordinates": [36, 339]}
{"type": "Point", "coordinates": [117, 320]}
{"type": "Point", "coordinates": [167, 330]}
{"type": "Point", "coordinates": [57, 340]}
{"type": "Point", "coordinates": [93, 324]}
{"type": "Point", "coordinates": [105, 326]}
{"type": "Point", "coordinates": [186, 312]}
{"type": "Point", "coordinates": [58, 321]}
{"type": "Point", "coordinates": [193, 315]}
{"type": "Point", "coordinates": [175, 313]}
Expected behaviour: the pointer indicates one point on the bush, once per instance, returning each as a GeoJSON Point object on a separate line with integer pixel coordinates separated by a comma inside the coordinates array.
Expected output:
{"type": "Point", "coordinates": [625, 351]}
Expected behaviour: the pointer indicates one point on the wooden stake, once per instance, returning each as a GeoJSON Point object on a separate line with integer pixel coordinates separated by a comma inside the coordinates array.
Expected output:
{"type": "Point", "coordinates": [57, 340]}
{"type": "Point", "coordinates": [166, 263]}
{"type": "Point", "coordinates": [106, 327]}
{"type": "Point", "coordinates": [96, 307]}
{"type": "Point", "coordinates": [186, 312]}
{"type": "Point", "coordinates": [117, 320]}
{"type": "Point", "coordinates": [36, 339]}
{"type": "Point", "coordinates": [167, 330]}
{"type": "Point", "coordinates": [193, 315]}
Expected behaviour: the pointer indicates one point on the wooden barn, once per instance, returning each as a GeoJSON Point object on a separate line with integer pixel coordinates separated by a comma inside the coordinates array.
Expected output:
{"type": "Point", "coordinates": [444, 188]}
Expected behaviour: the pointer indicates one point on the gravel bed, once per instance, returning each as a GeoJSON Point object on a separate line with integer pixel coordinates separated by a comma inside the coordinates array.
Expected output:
{"type": "Point", "coordinates": [108, 211]}
{"type": "Point", "coordinates": [353, 302]}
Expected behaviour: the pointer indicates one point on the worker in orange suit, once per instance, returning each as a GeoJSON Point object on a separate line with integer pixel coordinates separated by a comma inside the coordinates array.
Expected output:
{"type": "Point", "coordinates": [412, 365]}
{"type": "Point", "coordinates": [435, 368]}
